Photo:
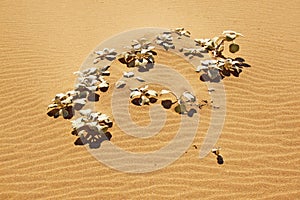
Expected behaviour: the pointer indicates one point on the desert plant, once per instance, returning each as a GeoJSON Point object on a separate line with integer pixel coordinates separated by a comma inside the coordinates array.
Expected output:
{"type": "Point", "coordinates": [139, 55]}
{"type": "Point", "coordinates": [91, 80]}
{"type": "Point", "coordinates": [209, 67]}
{"type": "Point", "coordinates": [141, 96]}
{"type": "Point", "coordinates": [181, 32]}
{"type": "Point", "coordinates": [165, 40]}
{"type": "Point", "coordinates": [91, 127]}
{"type": "Point", "coordinates": [106, 53]}
{"type": "Point", "coordinates": [216, 44]}
{"type": "Point", "coordinates": [62, 105]}
{"type": "Point", "coordinates": [193, 51]}
{"type": "Point", "coordinates": [222, 67]}
{"type": "Point", "coordinates": [184, 102]}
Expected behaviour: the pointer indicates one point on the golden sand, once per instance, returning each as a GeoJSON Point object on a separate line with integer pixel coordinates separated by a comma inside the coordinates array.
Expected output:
{"type": "Point", "coordinates": [42, 44]}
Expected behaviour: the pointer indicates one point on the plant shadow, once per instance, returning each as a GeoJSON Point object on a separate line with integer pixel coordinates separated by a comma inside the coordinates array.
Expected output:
{"type": "Point", "coordinates": [92, 138]}
{"type": "Point", "coordinates": [137, 101]}
{"type": "Point", "coordinates": [220, 160]}
{"type": "Point", "coordinates": [146, 68]}
{"type": "Point", "coordinates": [93, 97]}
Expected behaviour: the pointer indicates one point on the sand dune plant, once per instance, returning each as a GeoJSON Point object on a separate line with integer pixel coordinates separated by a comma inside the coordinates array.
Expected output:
{"type": "Point", "coordinates": [62, 105]}
{"type": "Point", "coordinates": [92, 80]}
{"type": "Point", "coordinates": [140, 54]}
{"type": "Point", "coordinates": [229, 64]}
{"type": "Point", "coordinates": [184, 103]}
{"type": "Point", "coordinates": [91, 127]}
{"type": "Point", "coordinates": [222, 67]}
{"type": "Point", "coordinates": [193, 51]}
{"type": "Point", "coordinates": [165, 40]}
{"type": "Point", "coordinates": [181, 32]}
{"type": "Point", "coordinates": [106, 53]}
{"type": "Point", "coordinates": [216, 45]}
{"type": "Point", "coordinates": [209, 67]}
{"type": "Point", "coordinates": [143, 96]}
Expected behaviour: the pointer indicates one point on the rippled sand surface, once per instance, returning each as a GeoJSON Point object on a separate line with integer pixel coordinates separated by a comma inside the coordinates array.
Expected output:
{"type": "Point", "coordinates": [43, 42]}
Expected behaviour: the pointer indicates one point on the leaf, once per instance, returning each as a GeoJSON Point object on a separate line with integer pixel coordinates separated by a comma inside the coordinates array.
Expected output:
{"type": "Point", "coordinates": [65, 113]}
{"type": "Point", "coordinates": [140, 79]}
{"type": "Point", "coordinates": [213, 73]}
{"type": "Point", "coordinates": [143, 89]}
{"type": "Point", "coordinates": [93, 70]}
{"type": "Point", "coordinates": [96, 60]}
{"type": "Point", "coordinates": [144, 100]}
{"type": "Point", "coordinates": [86, 112]}
{"type": "Point", "coordinates": [68, 100]}
{"type": "Point", "coordinates": [105, 73]}
{"type": "Point", "coordinates": [93, 116]}
{"type": "Point", "coordinates": [53, 112]}
{"type": "Point", "coordinates": [102, 117]}
{"type": "Point", "coordinates": [128, 74]}
{"type": "Point", "coordinates": [101, 129]}
{"type": "Point", "coordinates": [152, 93]}
{"type": "Point", "coordinates": [120, 84]}
{"type": "Point", "coordinates": [78, 123]}
{"type": "Point", "coordinates": [80, 101]}
{"type": "Point", "coordinates": [54, 105]}
{"type": "Point", "coordinates": [105, 68]}
{"type": "Point", "coordinates": [205, 62]}
{"type": "Point", "coordinates": [72, 93]}
{"type": "Point", "coordinates": [180, 108]}
{"type": "Point", "coordinates": [103, 85]}
{"type": "Point", "coordinates": [201, 67]}
{"type": "Point", "coordinates": [99, 53]}
{"type": "Point", "coordinates": [91, 77]}
{"type": "Point", "coordinates": [234, 48]}
{"type": "Point", "coordinates": [135, 94]}
{"type": "Point", "coordinates": [164, 92]}
{"type": "Point", "coordinates": [131, 63]}
{"type": "Point", "coordinates": [110, 56]}
{"type": "Point", "coordinates": [92, 88]}
{"type": "Point", "coordinates": [189, 96]}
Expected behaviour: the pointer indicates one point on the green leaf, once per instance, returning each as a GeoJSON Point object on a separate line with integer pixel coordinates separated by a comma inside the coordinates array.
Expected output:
{"type": "Point", "coordinates": [234, 48]}
{"type": "Point", "coordinates": [180, 108]}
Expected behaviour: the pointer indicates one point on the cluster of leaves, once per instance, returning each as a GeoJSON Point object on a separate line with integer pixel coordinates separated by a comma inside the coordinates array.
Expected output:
{"type": "Point", "coordinates": [219, 66]}
{"type": "Point", "coordinates": [216, 45]}
{"type": "Point", "coordinates": [92, 128]}
{"type": "Point", "coordinates": [63, 104]}
{"type": "Point", "coordinates": [95, 125]}
{"type": "Point", "coordinates": [139, 55]}
{"type": "Point", "coordinates": [184, 104]}
{"type": "Point", "coordinates": [181, 32]}
{"type": "Point", "coordinates": [106, 53]}
{"type": "Point", "coordinates": [165, 40]}
{"type": "Point", "coordinates": [193, 51]}
{"type": "Point", "coordinates": [141, 96]}
{"type": "Point", "coordinates": [90, 81]}
{"type": "Point", "coordinates": [215, 69]}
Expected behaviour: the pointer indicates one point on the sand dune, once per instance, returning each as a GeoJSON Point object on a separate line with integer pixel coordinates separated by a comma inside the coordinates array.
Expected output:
{"type": "Point", "coordinates": [42, 44]}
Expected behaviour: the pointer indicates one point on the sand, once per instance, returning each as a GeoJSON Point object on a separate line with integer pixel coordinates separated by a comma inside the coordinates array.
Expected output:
{"type": "Point", "coordinates": [42, 44]}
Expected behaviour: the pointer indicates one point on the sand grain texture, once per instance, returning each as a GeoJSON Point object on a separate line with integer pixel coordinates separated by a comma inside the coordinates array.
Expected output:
{"type": "Point", "coordinates": [42, 44]}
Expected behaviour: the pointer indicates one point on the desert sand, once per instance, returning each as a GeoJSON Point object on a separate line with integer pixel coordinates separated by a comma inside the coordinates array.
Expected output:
{"type": "Point", "coordinates": [43, 42]}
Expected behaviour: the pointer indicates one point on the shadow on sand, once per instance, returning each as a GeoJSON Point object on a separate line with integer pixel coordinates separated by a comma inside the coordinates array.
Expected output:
{"type": "Point", "coordinates": [93, 139]}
